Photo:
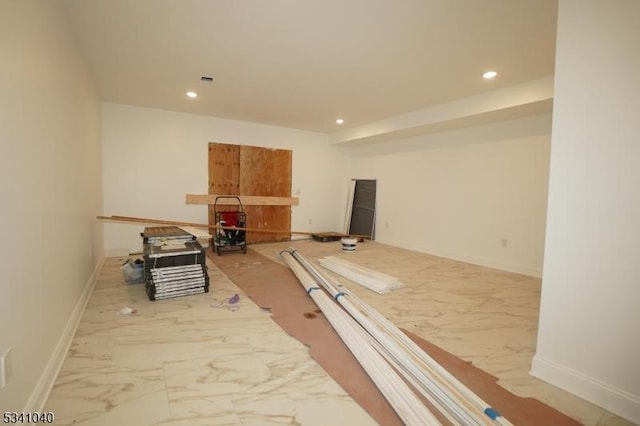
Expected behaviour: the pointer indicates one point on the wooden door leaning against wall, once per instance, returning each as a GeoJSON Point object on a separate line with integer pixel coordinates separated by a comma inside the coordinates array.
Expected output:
{"type": "Point", "coordinates": [249, 170]}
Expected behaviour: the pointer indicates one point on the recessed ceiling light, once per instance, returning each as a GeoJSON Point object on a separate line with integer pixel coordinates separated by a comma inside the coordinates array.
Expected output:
{"type": "Point", "coordinates": [192, 94]}
{"type": "Point", "coordinates": [489, 75]}
{"type": "Point", "coordinates": [339, 121]}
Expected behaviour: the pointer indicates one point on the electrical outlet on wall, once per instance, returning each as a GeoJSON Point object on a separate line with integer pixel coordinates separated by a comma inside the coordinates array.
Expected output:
{"type": "Point", "coordinates": [5, 368]}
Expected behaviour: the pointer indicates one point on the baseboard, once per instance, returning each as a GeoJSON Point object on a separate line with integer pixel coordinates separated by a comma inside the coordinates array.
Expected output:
{"type": "Point", "coordinates": [43, 388]}
{"type": "Point", "coordinates": [617, 401]}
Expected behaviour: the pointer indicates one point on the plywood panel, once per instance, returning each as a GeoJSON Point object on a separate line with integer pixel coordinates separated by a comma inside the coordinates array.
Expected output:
{"type": "Point", "coordinates": [224, 172]}
{"type": "Point", "coordinates": [266, 172]}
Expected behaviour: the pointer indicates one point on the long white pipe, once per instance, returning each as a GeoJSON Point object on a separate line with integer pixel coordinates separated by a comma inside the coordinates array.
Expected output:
{"type": "Point", "coordinates": [460, 401]}
{"type": "Point", "coordinates": [428, 381]}
{"type": "Point", "coordinates": [408, 407]}
{"type": "Point", "coordinates": [422, 357]}
{"type": "Point", "coordinates": [412, 380]}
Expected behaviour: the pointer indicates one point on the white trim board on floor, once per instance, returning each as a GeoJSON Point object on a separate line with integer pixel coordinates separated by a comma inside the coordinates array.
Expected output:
{"type": "Point", "coordinates": [617, 401]}
{"type": "Point", "coordinates": [48, 377]}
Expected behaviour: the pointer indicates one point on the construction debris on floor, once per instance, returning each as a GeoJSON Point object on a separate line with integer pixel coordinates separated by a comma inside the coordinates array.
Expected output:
{"type": "Point", "coordinates": [388, 356]}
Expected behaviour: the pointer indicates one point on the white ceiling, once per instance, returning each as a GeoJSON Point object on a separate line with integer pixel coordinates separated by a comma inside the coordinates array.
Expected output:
{"type": "Point", "coordinates": [302, 63]}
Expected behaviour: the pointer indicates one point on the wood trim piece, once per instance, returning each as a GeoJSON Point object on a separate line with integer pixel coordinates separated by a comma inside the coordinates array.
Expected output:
{"type": "Point", "coordinates": [247, 200]}
{"type": "Point", "coordinates": [195, 225]}
{"type": "Point", "coordinates": [202, 225]}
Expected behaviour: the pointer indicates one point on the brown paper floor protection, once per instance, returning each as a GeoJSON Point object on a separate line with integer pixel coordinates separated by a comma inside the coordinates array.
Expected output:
{"type": "Point", "coordinates": [273, 286]}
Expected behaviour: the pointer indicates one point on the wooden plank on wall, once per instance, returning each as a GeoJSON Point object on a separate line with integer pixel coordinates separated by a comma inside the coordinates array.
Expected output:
{"type": "Point", "coordinates": [247, 200]}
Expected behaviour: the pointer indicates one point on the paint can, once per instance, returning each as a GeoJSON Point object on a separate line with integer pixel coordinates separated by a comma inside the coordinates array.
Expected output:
{"type": "Point", "coordinates": [349, 244]}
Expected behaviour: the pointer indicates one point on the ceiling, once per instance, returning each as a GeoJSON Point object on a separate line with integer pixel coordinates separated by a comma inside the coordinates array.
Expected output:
{"type": "Point", "coordinates": [303, 63]}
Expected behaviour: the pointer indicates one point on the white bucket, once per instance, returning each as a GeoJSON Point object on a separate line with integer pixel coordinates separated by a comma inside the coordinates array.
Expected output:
{"type": "Point", "coordinates": [349, 244]}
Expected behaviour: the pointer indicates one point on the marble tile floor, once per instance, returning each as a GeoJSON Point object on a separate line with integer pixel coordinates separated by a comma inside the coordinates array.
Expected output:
{"type": "Point", "coordinates": [197, 360]}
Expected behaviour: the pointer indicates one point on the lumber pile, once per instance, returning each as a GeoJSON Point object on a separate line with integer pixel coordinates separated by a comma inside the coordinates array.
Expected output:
{"type": "Point", "coordinates": [366, 277]}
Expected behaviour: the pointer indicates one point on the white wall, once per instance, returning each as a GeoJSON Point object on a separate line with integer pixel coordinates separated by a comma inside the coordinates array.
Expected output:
{"type": "Point", "coordinates": [153, 158]}
{"type": "Point", "coordinates": [50, 189]}
{"type": "Point", "coordinates": [458, 194]}
{"type": "Point", "coordinates": [589, 332]}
